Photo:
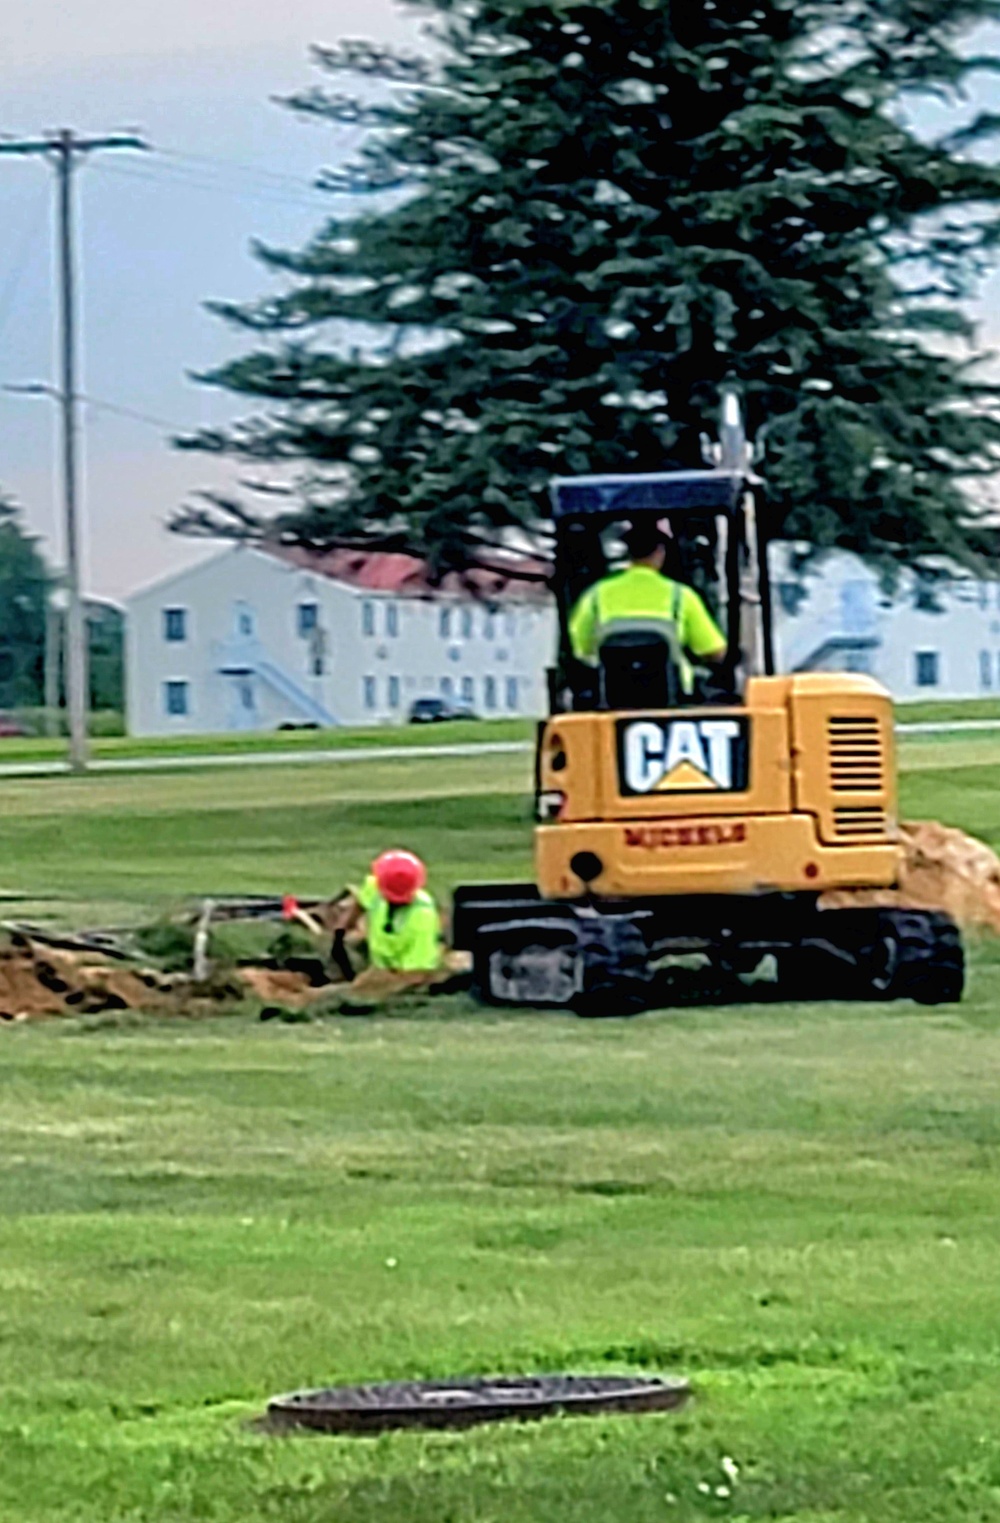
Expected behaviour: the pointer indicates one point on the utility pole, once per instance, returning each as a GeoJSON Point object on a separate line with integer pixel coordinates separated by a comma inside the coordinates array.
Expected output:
{"type": "Point", "coordinates": [53, 627]}
{"type": "Point", "coordinates": [64, 149]}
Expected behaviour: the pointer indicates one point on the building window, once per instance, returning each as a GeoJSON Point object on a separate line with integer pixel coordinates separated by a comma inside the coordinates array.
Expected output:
{"type": "Point", "coordinates": [175, 698]}
{"type": "Point", "coordinates": [369, 691]}
{"type": "Point", "coordinates": [308, 619]}
{"type": "Point", "coordinates": [246, 692]}
{"type": "Point", "coordinates": [367, 618]}
{"type": "Point", "coordinates": [511, 692]}
{"type": "Point", "coordinates": [468, 690]}
{"type": "Point", "coordinates": [490, 693]}
{"type": "Point", "coordinates": [926, 664]}
{"type": "Point", "coordinates": [510, 624]}
{"type": "Point", "coordinates": [985, 669]}
{"type": "Point", "coordinates": [466, 623]}
{"type": "Point", "coordinates": [391, 620]}
{"type": "Point", "coordinates": [243, 621]}
{"type": "Point", "coordinates": [927, 597]}
{"type": "Point", "coordinates": [394, 692]}
{"type": "Point", "coordinates": [444, 623]}
{"type": "Point", "coordinates": [489, 626]}
{"type": "Point", "coordinates": [175, 625]}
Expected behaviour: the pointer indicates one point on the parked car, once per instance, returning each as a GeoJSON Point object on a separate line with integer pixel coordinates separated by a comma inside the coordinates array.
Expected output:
{"type": "Point", "coordinates": [9, 726]}
{"type": "Point", "coordinates": [434, 710]}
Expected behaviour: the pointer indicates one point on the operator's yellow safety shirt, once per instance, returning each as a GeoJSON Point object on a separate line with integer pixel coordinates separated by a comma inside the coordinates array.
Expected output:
{"type": "Point", "coordinates": [641, 592]}
{"type": "Point", "coordinates": [403, 937]}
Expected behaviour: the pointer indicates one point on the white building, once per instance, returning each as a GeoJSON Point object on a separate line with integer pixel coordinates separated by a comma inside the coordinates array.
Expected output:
{"type": "Point", "coordinates": [931, 639]}
{"type": "Point", "coordinates": [252, 640]}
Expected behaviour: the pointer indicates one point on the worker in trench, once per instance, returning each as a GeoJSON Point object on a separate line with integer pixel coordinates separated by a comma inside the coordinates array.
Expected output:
{"type": "Point", "coordinates": [401, 924]}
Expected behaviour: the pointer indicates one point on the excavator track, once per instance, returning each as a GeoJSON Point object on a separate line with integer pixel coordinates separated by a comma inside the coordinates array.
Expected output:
{"type": "Point", "coordinates": [624, 958]}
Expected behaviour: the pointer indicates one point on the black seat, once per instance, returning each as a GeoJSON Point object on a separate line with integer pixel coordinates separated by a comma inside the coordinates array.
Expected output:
{"type": "Point", "coordinates": [637, 671]}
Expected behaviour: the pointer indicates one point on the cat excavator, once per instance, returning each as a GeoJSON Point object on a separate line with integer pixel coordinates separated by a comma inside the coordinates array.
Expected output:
{"type": "Point", "coordinates": [687, 833]}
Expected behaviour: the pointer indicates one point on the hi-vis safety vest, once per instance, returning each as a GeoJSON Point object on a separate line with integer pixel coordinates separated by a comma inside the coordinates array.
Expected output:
{"type": "Point", "coordinates": [403, 937]}
{"type": "Point", "coordinates": [640, 597]}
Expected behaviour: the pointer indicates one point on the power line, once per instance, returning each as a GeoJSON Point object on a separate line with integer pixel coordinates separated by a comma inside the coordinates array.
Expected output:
{"type": "Point", "coordinates": [64, 150]}
{"type": "Point", "coordinates": [258, 171]}
{"type": "Point", "coordinates": [99, 404]}
{"type": "Point", "coordinates": [162, 173]}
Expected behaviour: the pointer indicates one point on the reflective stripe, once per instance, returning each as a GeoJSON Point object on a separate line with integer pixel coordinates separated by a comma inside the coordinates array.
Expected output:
{"type": "Point", "coordinates": [660, 627]}
{"type": "Point", "coordinates": [647, 621]}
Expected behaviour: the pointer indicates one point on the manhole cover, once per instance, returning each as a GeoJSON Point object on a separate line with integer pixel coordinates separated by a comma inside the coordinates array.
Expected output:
{"type": "Point", "coordinates": [460, 1403]}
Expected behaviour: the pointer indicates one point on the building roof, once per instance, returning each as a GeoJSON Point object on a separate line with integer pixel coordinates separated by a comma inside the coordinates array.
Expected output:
{"type": "Point", "coordinates": [407, 576]}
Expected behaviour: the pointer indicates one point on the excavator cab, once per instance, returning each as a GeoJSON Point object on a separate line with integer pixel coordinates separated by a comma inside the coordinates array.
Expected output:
{"type": "Point", "coordinates": [703, 518]}
{"type": "Point", "coordinates": [714, 544]}
{"type": "Point", "coordinates": [702, 838]}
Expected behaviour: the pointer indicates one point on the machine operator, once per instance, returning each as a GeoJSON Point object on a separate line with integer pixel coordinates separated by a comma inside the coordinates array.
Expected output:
{"type": "Point", "coordinates": [640, 594]}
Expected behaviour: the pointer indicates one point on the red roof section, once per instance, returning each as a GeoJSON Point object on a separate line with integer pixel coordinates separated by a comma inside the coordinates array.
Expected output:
{"type": "Point", "coordinates": [408, 576]}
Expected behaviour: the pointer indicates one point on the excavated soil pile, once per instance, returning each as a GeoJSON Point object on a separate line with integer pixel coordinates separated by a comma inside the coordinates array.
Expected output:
{"type": "Point", "coordinates": [37, 980]}
{"type": "Point", "coordinates": [285, 986]}
{"type": "Point", "coordinates": [943, 869]}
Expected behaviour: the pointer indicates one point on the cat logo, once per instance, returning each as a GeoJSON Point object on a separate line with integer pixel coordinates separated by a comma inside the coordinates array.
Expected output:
{"type": "Point", "coordinates": [683, 755]}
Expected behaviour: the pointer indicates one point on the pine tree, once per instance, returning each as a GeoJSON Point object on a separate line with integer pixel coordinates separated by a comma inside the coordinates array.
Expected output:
{"type": "Point", "coordinates": [579, 219]}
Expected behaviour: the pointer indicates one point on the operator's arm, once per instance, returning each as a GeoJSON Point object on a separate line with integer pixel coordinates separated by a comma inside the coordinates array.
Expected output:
{"type": "Point", "coordinates": [583, 626]}
{"type": "Point", "coordinates": [700, 636]}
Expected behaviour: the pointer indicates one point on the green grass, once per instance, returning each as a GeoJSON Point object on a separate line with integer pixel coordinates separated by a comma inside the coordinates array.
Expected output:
{"type": "Point", "coordinates": [122, 848]}
{"type": "Point", "coordinates": [944, 709]}
{"type": "Point", "coordinates": [126, 847]}
{"type": "Point", "coordinates": [126, 747]}
{"type": "Point", "coordinates": [39, 748]}
{"type": "Point", "coordinates": [794, 1206]}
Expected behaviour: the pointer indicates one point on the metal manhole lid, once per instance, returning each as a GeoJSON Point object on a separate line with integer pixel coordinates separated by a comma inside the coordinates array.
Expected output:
{"type": "Point", "coordinates": [461, 1402]}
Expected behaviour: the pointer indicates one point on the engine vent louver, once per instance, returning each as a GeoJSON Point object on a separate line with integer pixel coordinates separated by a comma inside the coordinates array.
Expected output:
{"type": "Point", "coordinates": [859, 824]}
{"type": "Point", "coordinates": [857, 766]}
{"type": "Point", "coordinates": [857, 760]}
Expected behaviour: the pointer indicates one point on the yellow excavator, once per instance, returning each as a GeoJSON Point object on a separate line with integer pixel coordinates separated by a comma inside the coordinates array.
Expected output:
{"type": "Point", "coordinates": [685, 839]}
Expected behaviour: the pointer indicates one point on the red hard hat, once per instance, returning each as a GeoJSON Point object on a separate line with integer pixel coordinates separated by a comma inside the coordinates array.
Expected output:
{"type": "Point", "coordinates": [399, 876]}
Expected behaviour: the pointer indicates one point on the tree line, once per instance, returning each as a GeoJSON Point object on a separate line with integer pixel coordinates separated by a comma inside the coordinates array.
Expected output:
{"type": "Point", "coordinates": [27, 586]}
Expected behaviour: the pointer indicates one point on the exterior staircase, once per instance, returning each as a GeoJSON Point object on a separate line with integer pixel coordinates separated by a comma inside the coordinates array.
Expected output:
{"type": "Point", "coordinates": [248, 658]}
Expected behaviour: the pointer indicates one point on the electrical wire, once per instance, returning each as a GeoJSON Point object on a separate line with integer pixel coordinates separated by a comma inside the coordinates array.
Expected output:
{"type": "Point", "coordinates": [165, 174]}
{"type": "Point", "coordinates": [98, 404]}
{"type": "Point", "coordinates": [101, 404]}
{"type": "Point", "coordinates": [256, 171]}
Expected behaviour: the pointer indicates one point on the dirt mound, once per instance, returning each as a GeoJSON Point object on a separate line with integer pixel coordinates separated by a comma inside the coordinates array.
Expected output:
{"type": "Point", "coordinates": [42, 980]}
{"type": "Point", "coordinates": [284, 986]}
{"type": "Point", "coordinates": [943, 869]}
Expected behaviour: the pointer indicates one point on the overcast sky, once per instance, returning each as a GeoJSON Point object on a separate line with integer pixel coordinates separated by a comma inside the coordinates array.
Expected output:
{"type": "Point", "coordinates": [160, 234]}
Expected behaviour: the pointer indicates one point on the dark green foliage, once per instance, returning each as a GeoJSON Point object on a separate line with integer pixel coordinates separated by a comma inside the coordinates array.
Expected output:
{"type": "Point", "coordinates": [582, 219]}
{"type": "Point", "coordinates": [171, 944]}
{"type": "Point", "coordinates": [24, 589]}
{"type": "Point", "coordinates": [106, 630]}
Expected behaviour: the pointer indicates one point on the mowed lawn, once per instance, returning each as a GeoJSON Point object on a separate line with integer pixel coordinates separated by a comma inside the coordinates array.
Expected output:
{"type": "Point", "coordinates": [128, 846]}
{"type": "Point", "coordinates": [796, 1207]}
